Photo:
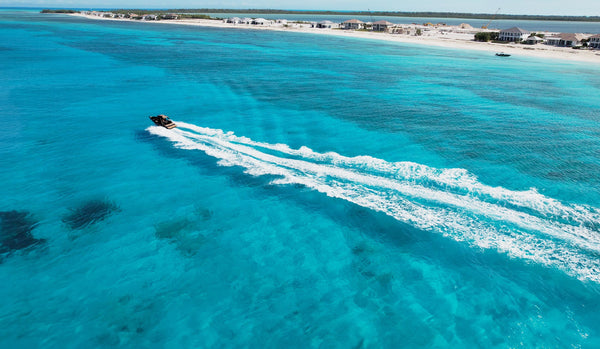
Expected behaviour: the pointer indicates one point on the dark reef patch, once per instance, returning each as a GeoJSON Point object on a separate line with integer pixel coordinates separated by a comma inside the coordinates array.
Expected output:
{"type": "Point", "coordinates": [127, 319]}
{"type": "Point", "coordinates": [15, 231]}
{"type": "Point", "coordinates": [89, 212]}
{"type": "Point", "coordinates": [183, 233]}
{"type": "Point", "coordinates": [172, 229]}
{"type": "Point", "coordinates": [204, 213]}
{"type": "Point", "coordinates": [188, 235]}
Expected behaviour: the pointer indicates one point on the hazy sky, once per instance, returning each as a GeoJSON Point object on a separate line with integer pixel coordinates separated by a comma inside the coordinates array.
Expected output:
{"type": "Point", "coordinates": [555, 7]}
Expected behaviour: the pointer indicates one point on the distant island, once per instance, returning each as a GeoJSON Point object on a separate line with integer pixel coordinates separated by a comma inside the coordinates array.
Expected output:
{"type": "Point", "coordinates": [58, 11]}
{"type": "Point", "coordinates": [360, 13]}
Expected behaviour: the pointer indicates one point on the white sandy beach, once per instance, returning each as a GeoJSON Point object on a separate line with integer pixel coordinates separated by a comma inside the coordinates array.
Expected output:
{"type": "Point", "coordinates": [450, 37]}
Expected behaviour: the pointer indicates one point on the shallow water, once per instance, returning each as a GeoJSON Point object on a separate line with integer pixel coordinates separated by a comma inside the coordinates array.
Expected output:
{"type": "Point", "coordinates": [320, 191]}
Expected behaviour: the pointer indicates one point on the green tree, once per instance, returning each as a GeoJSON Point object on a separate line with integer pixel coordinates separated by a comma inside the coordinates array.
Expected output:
{"type": "Point", "coordinates": [483, 36]}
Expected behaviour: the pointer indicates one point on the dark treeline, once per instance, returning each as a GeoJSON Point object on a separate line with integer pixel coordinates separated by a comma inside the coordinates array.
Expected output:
{"type": "Point", "coordinates": [362, 13]}
{"type": "Point", "coordinates": [386, 13]}
{"type": "Point", "coordinates": [58, 11]}
{"type": "Point", "coordinates": [183, 13]}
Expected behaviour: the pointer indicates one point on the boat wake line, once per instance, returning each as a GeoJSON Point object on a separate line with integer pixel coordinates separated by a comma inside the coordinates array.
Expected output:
{"type": "Point", "coordinates": [522, 224]}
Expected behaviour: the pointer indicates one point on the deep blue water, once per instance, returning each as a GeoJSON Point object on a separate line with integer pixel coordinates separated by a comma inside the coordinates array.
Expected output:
{"type": "Point", "coordinates": [319, 192]}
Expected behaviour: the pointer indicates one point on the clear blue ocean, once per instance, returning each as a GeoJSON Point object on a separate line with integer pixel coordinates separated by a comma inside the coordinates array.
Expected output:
{"type": "Point", "coordinates": [319, 191]}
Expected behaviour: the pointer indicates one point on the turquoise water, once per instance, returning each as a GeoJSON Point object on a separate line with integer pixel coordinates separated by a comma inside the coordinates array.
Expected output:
{"type": "Point", "coordinates": [319, 192]}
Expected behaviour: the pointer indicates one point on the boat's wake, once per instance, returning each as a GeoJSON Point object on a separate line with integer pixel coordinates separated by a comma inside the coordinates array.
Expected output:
{"type": "Point", "coordinates": [524, 224]}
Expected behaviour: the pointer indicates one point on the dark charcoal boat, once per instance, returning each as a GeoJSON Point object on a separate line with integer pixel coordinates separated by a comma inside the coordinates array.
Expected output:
{"type": "Point", "coordinates": [502, 54]}
{"type": "Point", "coordinates": [163, 120]}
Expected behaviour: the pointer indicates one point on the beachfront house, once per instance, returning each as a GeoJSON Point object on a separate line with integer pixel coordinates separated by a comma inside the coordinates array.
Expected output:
{"type": "Point", "coordinates": [260, 21]}
{"type": "Point", "coordinates": [513, 34]}
{"type": "Point", "coordinates": [169, 16]}
{"type": "Point", "coordinates": [382, 26]}
{"type": "Point", "coordinates": [594, 41]}
{"type": "Point", "coordinates": [326, 24]}
{"type": "Point", "coordinates": [533, 40]}
{"type": "Point", "coordinates": [149, 18]}
{"type": "Point", "coordinates": [246, 20]}
{"type": "Point", "coordinates": [234, 20]}
{"type": "Point", "coordinates": [565, 40]}
{"type": "Point", "coordinates": [353, 24]}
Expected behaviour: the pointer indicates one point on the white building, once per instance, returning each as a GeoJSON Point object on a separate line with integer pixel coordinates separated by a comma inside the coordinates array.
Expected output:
{"type": "Point", "coordinates": [382, 26]}
{"type": "Point", "coordinates": [260, 21]}
{"type": "Point", "coordinates": [594, 41]}
{"type": "Point", "coordinates": [565, 39]}
{"type": "Point", "coordinates": [353, 24]}
{"type": "Point", "coordinates": [169, 16]}
{"type": "Point", "coordinates": [533, 40]}
{"type": "Point", "coordinates": [326, 24]}
{"type": "Point", "coordinates": [513, 34]}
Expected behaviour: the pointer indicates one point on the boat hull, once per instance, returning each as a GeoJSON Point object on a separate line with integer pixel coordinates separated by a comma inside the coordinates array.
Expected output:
{"type": "Point", "coordinates": [164, 121]}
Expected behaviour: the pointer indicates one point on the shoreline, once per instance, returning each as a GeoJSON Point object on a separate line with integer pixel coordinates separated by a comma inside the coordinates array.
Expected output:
{"type": "Point", "coordinates": [454, 40]}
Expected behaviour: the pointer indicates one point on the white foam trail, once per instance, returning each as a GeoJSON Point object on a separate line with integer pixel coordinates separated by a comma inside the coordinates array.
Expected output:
{"type": "Point", "coordinates": [453, 178]}
{"type": "Point", "coordinates": [523, 224]}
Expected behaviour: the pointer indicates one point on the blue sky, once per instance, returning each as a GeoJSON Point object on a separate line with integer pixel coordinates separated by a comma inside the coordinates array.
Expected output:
{"type": "Point", "coordinates": [545, 7]}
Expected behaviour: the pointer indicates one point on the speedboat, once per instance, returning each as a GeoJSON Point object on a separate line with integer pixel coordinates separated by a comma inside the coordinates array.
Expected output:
{"type": "Point", "coordinates": [502, 54]}
{"type": "Point", "coordinates": [163, 120]}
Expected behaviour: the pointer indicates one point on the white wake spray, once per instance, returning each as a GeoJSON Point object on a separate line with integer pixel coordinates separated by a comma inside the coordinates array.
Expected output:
{"type": "Point", "coordinates": [523, 224]}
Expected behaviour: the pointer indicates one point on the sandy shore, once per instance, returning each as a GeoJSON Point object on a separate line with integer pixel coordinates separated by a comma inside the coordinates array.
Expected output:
{"type": "Point", "coordinates": [458, 39]}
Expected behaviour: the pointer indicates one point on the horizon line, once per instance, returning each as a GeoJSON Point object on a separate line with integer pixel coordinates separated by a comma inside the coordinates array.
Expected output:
{"type": "Point", "coordinates": [289, 11]}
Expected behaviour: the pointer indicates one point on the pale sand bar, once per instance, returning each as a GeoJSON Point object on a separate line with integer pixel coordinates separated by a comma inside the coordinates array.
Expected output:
{"type": "Point", "coordinates": [456, 39]}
